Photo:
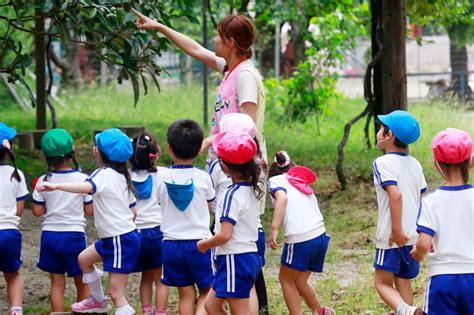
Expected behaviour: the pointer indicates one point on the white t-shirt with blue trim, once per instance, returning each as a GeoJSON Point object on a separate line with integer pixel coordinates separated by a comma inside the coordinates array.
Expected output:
{"type": "Point", "coordinates": [149, 213]}
{"type": "Point", "coordinates": [112, 203]}
{"type": "Point", "coordinates": [303, 220]}
{"type": "Point", "coordinates": [239, 206]}
{"type": "Point", "coordinates": [64, 210]}
{"type": "Point", "coordinates": [193, 222]}
{"type": "Point", "coordinates": [447, 215]}
{"type": "Point", "coordinates": [405, 172]}
{"type": "Point", "coordinates": [220, 181]}
{"type": "Point", "coordinates": [11, 191]}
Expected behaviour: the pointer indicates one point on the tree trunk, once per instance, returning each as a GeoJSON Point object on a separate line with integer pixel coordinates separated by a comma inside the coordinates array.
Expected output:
{"type": "Point", "coordinates": [459, 69]}
{"type": "Point", "coordinates": [390, 81]}
{"type": "Point", "coordinates": [40, 59]}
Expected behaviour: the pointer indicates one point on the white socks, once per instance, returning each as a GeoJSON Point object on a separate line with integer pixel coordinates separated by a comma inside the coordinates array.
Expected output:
{"type": "Point", "coordinates": [405, 309]}
{"type": "Point", "coordinates": [16, 310]}
{"type": "Point", "coordinates": [124, 310]}
{"type": "Point", "coordinates": [93, 280]}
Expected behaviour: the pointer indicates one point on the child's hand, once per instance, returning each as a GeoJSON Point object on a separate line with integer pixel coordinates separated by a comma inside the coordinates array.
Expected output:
{"type": "Point", "coordinates": [144, 22]}
{"type": "Point", "coordinates": [46, 186]}
{"type": "Point", "coordinates": [398, 238]}
{"type": "Point", "coordinates": [201, 246]}
{"type": "Point", "coordinates": [416, 254]}
{"type": "Point", "coordinates": [272, 240]}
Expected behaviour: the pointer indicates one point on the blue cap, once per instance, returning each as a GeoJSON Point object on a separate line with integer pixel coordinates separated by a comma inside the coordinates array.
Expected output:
{"type": "Point", "coordinates": [403, 125]}
{"type": "Point", "coordinates": [6, 133]}
{"type": "Point", "coordinates": [116, 145]}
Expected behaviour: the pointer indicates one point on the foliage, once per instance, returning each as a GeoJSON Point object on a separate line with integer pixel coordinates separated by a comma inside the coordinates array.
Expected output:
{"type": "Point", "coordinates": [105, 27]}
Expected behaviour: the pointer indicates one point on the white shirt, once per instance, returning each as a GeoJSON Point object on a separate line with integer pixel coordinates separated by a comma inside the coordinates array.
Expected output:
{"type": "Point", "coordinates": [303, 220]}
{"type": "Point", "coordinates": [239, 206]}
{"type": "Point", "coordinates": [149, 214]}
{"type": "Point", "coordinates": [64, 210]}
{"type": "Point", "coordinates": [220, 182]}
{"type": "Point", "coordinates": [404, 171]}
{"type": "Point", "coordinates": [447, 215]}
{"type": "Point", "coordinates": [193, 222]}
{"type": "Point", "coordinates": [11, 191]}
{"type": "Point", "coordinates": [112, 203]}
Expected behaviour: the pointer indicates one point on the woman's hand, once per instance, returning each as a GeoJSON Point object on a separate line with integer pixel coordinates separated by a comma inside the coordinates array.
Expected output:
{"type": "Point", "coordinates": [46, 186]}
{"type": "Point", "coordinates": [145, 23]}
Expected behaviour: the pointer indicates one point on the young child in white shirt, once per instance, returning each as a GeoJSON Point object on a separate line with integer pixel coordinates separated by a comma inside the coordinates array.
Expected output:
{"type": "Point", "coordinates": [114, 214]}
{"type": "Point", "coordinates": [445, 225]}
{"type": "Point", "coordinates": [13, 193]}
{"type": "Point", "coordinates": [306, 241]}
{"type": "Point", "coordinates": [63, 237]}
{"type": "Point", "coordinates": [399, 183]}
{"type": "Point", "coordinates": [237, 229]}
{"type": "Point", "coordinates": [144, 174]}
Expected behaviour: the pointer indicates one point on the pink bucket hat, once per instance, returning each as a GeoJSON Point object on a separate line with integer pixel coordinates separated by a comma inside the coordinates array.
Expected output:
{"type": "Point", "coordinates": [238, 123]}
{"type": "Point", "coordinates": [452, 146]}
{"type": "Point", "coordinates": [234, 148]}
{"type": "Point", "coordinates": [301, 178]}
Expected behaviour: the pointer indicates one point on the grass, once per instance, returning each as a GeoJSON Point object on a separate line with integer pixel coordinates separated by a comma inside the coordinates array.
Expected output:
{"type": "Point", "coordinates": [350, 216]}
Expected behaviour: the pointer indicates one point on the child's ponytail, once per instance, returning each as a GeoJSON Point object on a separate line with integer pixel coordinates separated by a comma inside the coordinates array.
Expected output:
{"type": "Point", "coordinates": [15, 173]}
{"type": "Point", "coordinates": [281, 165]}
{"type": "Point", "coordinates": [249, 171]}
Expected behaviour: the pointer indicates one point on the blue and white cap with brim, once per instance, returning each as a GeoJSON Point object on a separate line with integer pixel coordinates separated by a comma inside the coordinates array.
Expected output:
{"type": "Point", "coordinates": [6, 133]}
{"type": "Point", "coordinates": [115, 144]}
{"type": "Point", "coordinates": [403, 125]}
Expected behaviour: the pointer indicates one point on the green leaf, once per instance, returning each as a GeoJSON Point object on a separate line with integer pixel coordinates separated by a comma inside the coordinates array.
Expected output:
{"type": "Point", "coordinates": [145, 86]}
{"type": "Point", "coordinates": [136, 87]}
{"type": "Point", "coordinates": [30, 93]}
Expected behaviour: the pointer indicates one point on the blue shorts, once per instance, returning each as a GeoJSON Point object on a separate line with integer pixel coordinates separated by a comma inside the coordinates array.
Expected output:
{"type": "Point", "coordinates": [119, 253]}
{"type": "Point", "coordinates": [150, 249]}
{"type": "Point", "coordinates": [450, 295]}
{"type": "Point", "coordinates": [261, 246]}
{"type": "Point", "coordinates": [184, 265]}
{"type": "Point", "coordinates": [307, 255]}
{"type": "Point", "coordinates": [10, 250]}
{"type": "Point", "coordinates": [397, 261]}
{"type": "Point", "coordinates": [236, 275]}
{"type": "Point", "coordinates": [59, 252]}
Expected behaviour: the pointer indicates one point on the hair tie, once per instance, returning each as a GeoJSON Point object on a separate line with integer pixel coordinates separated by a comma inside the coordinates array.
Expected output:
{"type": "Point", "coordinates": [287, 159]}
{"type": "Point", "coordinates": [153, 157]}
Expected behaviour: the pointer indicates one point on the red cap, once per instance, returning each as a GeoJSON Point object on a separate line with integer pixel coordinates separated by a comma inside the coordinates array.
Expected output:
{"type": "Point", "coordinates": [234, 148]}
{"type": "Point", "coordinates": [452, 146]}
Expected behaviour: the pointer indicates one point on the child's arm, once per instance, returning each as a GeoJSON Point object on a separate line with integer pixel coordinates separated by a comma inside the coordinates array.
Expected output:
{"type": "Point", "coordinates": [220, 238]}
{"type": "Point", "coordinates": [77, 188]}
{"type": "Point", "coordinates": [422, 247]}
{"type": "Point", "coordinates": [38, 210]}
{"type": "Point", "coordinates": [134, 211]}
{"type": "Point", "coordinates": [89, 209]}
{"type": "Point", "coordinates": [395, 203]}
{"type": "Point", "coordinates": [20, 206]}
{"type": "Point", "coordinates": [281, 201]}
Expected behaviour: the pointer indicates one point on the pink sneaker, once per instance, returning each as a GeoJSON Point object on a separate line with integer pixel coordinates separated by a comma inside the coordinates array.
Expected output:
{"type": "Point", "coordinates": [326, 311]}
{"type": "Point", "coordinates": [91, 305]}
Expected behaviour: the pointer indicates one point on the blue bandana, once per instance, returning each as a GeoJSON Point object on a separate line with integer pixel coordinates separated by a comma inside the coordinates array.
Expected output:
{"type": "Point", "coordinates": [181, 194]}
{"type": "Point", "coordinates": [143, 188]}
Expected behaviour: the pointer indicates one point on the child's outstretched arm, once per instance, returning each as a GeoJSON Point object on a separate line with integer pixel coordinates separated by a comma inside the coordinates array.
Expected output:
{"type": "Point", "coordinates": [422, 247]}
{"type": "Point", "coordinates": [77, 188]}
{"type": "Point", "coordinates": [220, 238]}
{"type": "Point", "coordinates": [395, 203]}
{"type": "Point", "coordinates": [281, 201]}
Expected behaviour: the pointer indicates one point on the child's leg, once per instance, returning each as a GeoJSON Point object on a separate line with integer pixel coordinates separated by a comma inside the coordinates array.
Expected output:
{"type": "Point", "coordinates": [14, 288]}
{"type": "Point", "coordinates": [403, 287]}
{"type": "Point", "coordinates": [307, 291]}
{"type": "Point", "coordinates": [239, 306]}
{"type": "Point", "coordinates": [146, 287]}
{"type": "Point", "coordinates": [253, 301]}
{"type": "Point", "coordinates": [82, 290]}
{"type": "Point", "coordinates": [214, 305]}
{"type": "Point", "coordinates": [161, 293]}
{"type": "Point", "coordinates": [187, 299]}
{"type": "Point", "coordinates": [384, 282]}
{"type": "Point", "coordinates": [117, 283]}
{"type": "Point", "coordinates": [201, 301]}
{"type": "Point", "coordinates": [91, 275]}
{"type": "Point", "coordinates": [291, 295]}
{"type": "Point", "coordinates": [58, 285]}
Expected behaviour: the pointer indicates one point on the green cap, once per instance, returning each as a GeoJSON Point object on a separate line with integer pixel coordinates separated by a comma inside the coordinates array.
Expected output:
{"type": "Point", "coordinates": [56, 143]}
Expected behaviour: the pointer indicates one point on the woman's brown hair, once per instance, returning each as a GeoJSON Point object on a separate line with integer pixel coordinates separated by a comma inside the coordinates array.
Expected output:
{"type": "Point", "coordinates": [241, 30]}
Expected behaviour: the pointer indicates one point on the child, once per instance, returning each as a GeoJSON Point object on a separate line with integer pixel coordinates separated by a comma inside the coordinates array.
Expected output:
{"type": "Point", "coordinates": [399, 183]}
{"type": "Point", "coordinates": [237, 230]}
{"type": "Point", "coordinates": [144, 175]}
{"type": "Point", "coordinates": [445, 226]}
{"type": "Point", "coordinates": [62, 237]}
{"type": "Point", "coordinates": [306, 241]}
{"type": "Point", "coordinates": [13, 193]}
{"type": "Point", "coordinates": [243, 124]}
{"type": "Point", "coordinates": [114, 213]}
{"type": "Point", "coordinates": [184, 195]}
